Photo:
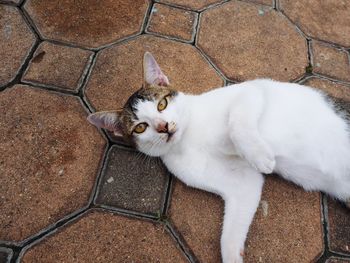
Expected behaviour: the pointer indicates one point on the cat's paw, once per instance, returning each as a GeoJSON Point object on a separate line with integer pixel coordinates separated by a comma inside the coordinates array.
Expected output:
{"type": "Point", "coordinates": [263, 161]}
{"type": "Point", "coordinates": [232, 256]}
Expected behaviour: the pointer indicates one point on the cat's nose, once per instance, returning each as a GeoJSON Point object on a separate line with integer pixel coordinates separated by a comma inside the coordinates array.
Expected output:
{"type": "Point", "coordinates": [162, 126]}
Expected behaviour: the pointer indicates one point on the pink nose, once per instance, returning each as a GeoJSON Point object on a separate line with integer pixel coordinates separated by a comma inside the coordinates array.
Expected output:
{"type": "Point", "coordinates": [162, 127]}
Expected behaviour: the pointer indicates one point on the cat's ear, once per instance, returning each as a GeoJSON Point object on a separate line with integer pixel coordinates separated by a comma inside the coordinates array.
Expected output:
{"type": "Point", "coordinates": [152, 74]}
{"type": "Point", "coordinates": [108, 120]}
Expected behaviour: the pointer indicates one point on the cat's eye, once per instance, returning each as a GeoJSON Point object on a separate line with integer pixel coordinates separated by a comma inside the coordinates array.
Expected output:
{"type": "Point", "coordinates": [163, 103]}
{"type": "Point", "coordinates": [141, 127]}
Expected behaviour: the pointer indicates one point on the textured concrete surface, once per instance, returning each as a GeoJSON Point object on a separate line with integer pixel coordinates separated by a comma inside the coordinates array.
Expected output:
{"type": "Point", "coordinates": [133, 181]}
{"type": "Point", "coordinates": [52, 158]}
{"type": "Point", "coordinates": [339, 227]}
{"type": "Point", "coordinates": [330, 61]}
{"type": "Point", "coordinates": [59, 66]}
{"type": "Point", "coordinates": [311, 16]}
{"type": "Point", "coordinates": [104, 237]}
{"type": "Point", "coordinates": [172, 22]}
{"type": "Point", "coordinates": [16, 40]}
{"type": "Point", "coordinates": [87, 23]}
{"type": "Point", "coordinates": [249, 41]}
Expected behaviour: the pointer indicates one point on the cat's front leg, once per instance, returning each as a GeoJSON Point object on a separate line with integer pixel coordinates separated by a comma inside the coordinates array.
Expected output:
{"type": "Point", "coordinates": [244, 116]}
{"type": "Point", "coordinates": [240, 207]}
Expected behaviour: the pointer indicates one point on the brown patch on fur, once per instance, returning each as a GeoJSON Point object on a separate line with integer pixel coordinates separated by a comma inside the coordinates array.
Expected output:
{"type": "Point", "coordinates": [128, 118]}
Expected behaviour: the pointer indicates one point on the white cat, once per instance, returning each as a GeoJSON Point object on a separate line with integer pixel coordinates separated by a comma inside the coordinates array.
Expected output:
{"type": "Point", "coordinates": [223, 140]}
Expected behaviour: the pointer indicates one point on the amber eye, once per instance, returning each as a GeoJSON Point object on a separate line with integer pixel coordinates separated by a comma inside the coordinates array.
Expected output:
{"type": "Point", "coordinates": [141, 127]}
{"type": "Point", "coordinates": [163, 103]}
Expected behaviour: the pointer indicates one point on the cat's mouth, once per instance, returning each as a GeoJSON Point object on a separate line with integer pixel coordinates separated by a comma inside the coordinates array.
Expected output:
{"type": "Point", "coordinates": [170, 135]}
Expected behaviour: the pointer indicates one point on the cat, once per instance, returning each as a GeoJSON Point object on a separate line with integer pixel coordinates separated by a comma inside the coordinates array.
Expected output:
{"type": "Point", "coordinates": [224, 140]}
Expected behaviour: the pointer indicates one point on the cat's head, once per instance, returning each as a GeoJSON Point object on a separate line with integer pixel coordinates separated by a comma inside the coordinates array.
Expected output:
{"type": "Point", "coordinates": [152, 120]}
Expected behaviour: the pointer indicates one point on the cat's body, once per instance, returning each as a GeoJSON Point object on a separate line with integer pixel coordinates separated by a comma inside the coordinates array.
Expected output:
{"type": "Point", "coordinates": [223, 140]}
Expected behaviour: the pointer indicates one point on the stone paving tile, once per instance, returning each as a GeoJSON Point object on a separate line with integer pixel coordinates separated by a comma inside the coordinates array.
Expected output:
{"type": "Point", "coordinates": [118, 70]}
{"type": "Point", "coordinates": [310, 15]}
{"type": "Point", "coordinates": [50, 157]}
{"type": "Point", "coordinates": [16, 40]}
{"type": "Point", "coordinates": [192, 4]}
{"type": "Point", "coordinates": [104, 237]}
{"type": "Point", "coordinates": [57, 65]}
{"type": "Point", "coordinates": [172, 22]}
{"type": "Point", "coordinates": [5, 255]}
{"type": "Point", "coordinates": [88, 23]}
{"type": "Point", "coordinates": [339, 227]}
{"type": "Point", "coordinates": [334, 89]}
{"type": "Point", "coordinates": [133, 181]}
{"type": "Point", "coordinates": [248, 41]}
{"type": "Point", "coordinates": [337, 260]}
{"type": "Point", "coordinates": [197, 217]}
{"type": "Point", "coordinates": [286, 228]}
{"type": "Point", "coordinates": [330, 61]}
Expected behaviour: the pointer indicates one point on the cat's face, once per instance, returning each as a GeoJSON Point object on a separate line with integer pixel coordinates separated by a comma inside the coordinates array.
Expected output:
{"type": "Point", "coordinates": [151, 119]}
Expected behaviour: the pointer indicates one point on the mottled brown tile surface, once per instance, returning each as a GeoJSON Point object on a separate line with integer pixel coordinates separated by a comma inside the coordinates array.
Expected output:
{"type": "Point", "coordinates": [88, 23]}
{"type": "Point", "coordinates": [248, 41]}
{"type": "Point", "coordinates": [172, 22]}
{"type": "Point", "coordinates": [57, 65]}
{"type": "Point", "coordinates": [192, 4]}
{"type": "Point", "coordinates": [334, 89]}
{"type": "Point", "coordinates": [50, 156]}
{"type": "Point", "coordinates": [330, 61]}
{"type": "Point", "coordinates": [326, 20]}
{"type": "Point", "coordinates": [104, 237]}
{"type": "Point", "coordinates": [339, 227]}
{"type": "Point", "coordinates": [287, 226]}
{"type": "Point", "coordinates": [16, 40]}
{"type": "Point", "coordinates": [118, 70]}
{"type": "Point", "coordinates": [197, 216]}
{"type": "Point", "coordinates": [133, 181]}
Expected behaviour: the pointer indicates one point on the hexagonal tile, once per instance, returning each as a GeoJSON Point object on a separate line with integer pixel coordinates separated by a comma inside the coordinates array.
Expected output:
{"type": "Point", "coordinates": [16, 40]}
{"type": "Point", "coordinates": [59, 66]}
{"type": "Point", "coordinates": [87, 23]}
{"type": "Point", "coordinates": [248, 41]}
{"type": "Point", "coordinates": [192, 4]}
{"type": "Point", "coordinates": [118, 70]}
{"type": "Point", "coordinates": [276, 235]}
{"type": "Point", "coordinates": [262, 2]}
{"type": "Point", "coordinates": [339, 227]}
{"type": "Point", "coordinates": [172, 22]}
{"type": "Point", "coordinates": [50, 159]}
{"type": "Point", "coordinates": [336, 90]}
{"type": "Point", "coordinates": [326, 20]}
{"type": "Point", "coordinates": [132, 181]}
{"type": "Point", "coordinates": [5, 255]}
{"type": "Point", "coordinates": [330, 61]}
{"type": "Point", "coordinates": [105, 237]}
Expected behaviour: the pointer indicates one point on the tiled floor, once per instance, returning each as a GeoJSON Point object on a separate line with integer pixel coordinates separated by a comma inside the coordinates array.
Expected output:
{"type": "Point", "coordinates": [71, 193]}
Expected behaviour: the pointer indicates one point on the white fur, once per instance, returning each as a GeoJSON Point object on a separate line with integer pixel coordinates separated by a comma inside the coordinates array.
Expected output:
{"type": "Point", "coordinates": [228, 137]}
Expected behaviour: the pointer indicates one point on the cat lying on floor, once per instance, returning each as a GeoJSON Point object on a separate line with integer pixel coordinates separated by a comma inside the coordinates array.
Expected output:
{"type": "Point", "coordinates": [223, 140]}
